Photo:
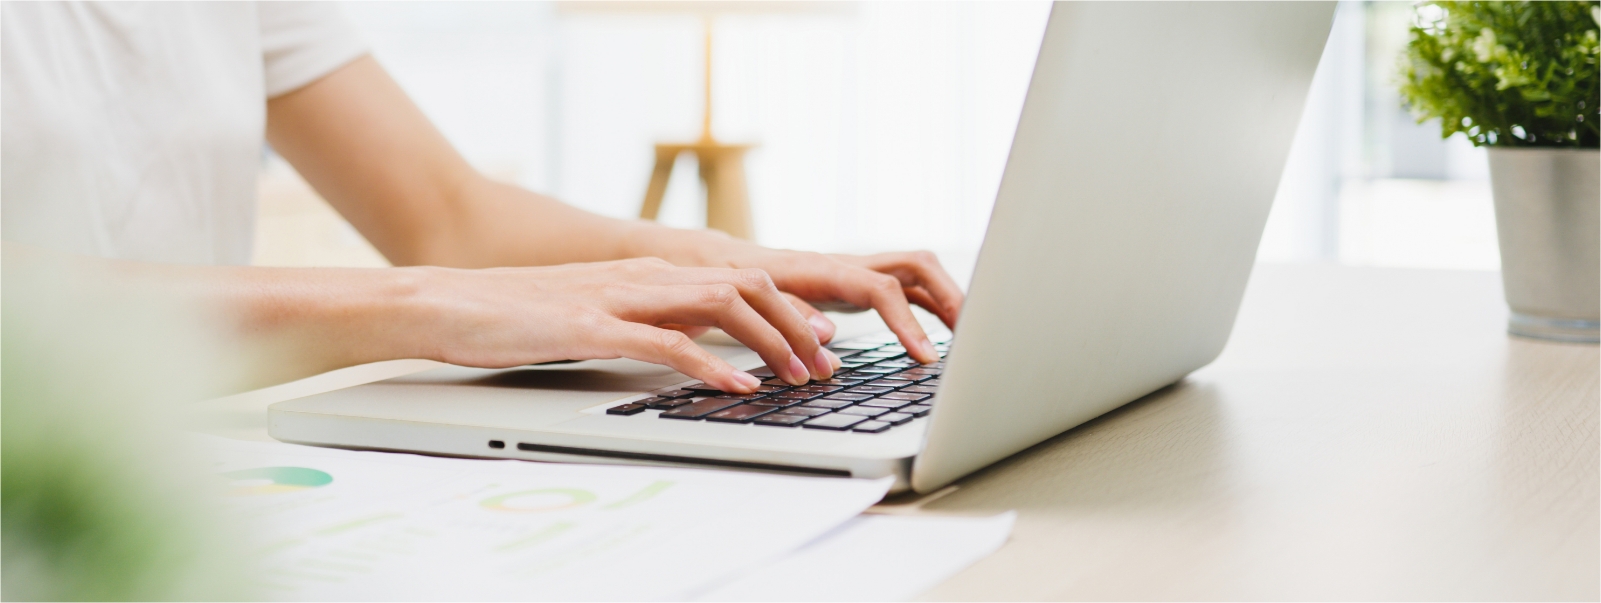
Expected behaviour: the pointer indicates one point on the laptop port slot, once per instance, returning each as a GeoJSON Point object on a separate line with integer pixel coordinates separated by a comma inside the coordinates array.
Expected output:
{"type": "Point", "coordinates": [497, 444]}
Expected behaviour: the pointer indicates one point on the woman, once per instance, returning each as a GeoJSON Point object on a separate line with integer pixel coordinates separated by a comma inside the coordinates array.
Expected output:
{"type": "Point", "coordinates": [133, 131]}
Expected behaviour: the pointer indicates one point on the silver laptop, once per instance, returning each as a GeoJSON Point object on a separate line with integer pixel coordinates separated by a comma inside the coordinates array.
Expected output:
{"type": "Point", "coordinates": [1148, 152]}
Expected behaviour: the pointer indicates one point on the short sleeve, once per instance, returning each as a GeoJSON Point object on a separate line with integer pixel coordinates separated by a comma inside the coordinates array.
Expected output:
{"type": "Point", "coordinates": [303, 41]}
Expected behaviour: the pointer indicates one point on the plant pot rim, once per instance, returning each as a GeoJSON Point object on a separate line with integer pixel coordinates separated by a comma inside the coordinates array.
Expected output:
{"type": "Point", "coordinates": [1494, 147]}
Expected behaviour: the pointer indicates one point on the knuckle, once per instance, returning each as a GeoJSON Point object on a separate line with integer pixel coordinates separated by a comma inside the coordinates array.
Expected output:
{"type": "Point", "coordinates": [925, 257]}
{"type": "Point", "coordinates": [755, 278]}
{"type": "Point", "coordinates": [672, 344]}
{"type": "Point", "coordinates": [721, 295]}
{"type": "Point", "coordinates": [885, 283]}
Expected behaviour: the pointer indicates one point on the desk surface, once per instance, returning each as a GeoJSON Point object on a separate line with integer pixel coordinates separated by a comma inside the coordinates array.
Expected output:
{"type": "Point", "coordinates": [1367, 434]}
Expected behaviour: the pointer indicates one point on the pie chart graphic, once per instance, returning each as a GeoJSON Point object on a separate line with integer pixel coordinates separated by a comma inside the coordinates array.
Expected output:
{"type": "Point", "coordinates": [274, 480]}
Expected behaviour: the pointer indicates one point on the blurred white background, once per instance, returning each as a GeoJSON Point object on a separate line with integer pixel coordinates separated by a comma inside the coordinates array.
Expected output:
{"type": "Point", "coordinates": [880, 125]}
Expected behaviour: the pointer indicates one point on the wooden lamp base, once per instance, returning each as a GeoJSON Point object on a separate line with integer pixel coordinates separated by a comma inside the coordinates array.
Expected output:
{"type": "Point", "coordinates": [722, 168]}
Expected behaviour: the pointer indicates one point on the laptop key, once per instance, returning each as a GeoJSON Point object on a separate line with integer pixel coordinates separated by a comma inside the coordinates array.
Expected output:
{"type": "Point", "coordinates": [632, 408]}
{"type": "Point", "coordinates": [871, 426]}
{"type": "Point", "coordinates": [931, 382]}
{"type": "Point", "coordinates": [886, 403]}
{"type": "Point", "coordinates": [863, 411]}
{"type": "Point", "coordinates": [701, 389]}
{"type": "Point", "coordinates": [776, 402]}
{"type": "Point", "coordinates": [665, 403]}
{"type": "Point", "coordinates": [907, 396]}
{"type": "Point", "coordinates": [839, 381]}
{"type": "Point", "coordinates": [803, 411]}
{"type": "Point", "coordinates": [740, 414]}
{"type": "Point", "coordinates": [894, 418]}
{"type": "Point", "coordinates": [847, 397]}
{"type": "Point", "coordinates": [780, 419]}
{"type": "Point", "coordinates": [890, 383]}
{"type": "Point", "coordinates": [827, 403]}
{"type": "Point", "coordinates": [798, 395]}
{"type": "Point", "coordinates": [834, 421]}
{"type": "Point", "coordinates": [921, 389]}
{"type": "Point", "coordinates": [876, 370]}
{"type": "Point", "coordinates": [917, 410]}
{"type": "Point", "coordinates": [820, 388]}
{"type": "Point", "coordinates": [742, 397]}
{"type": "Point", "coordinates": [699, 408]}
{"type": "Point", "coordinates": [869, 389]}
{"type": "Point", "coordinates": [673, 393]}
{"type": "Point", "coordinates": [932, 372]}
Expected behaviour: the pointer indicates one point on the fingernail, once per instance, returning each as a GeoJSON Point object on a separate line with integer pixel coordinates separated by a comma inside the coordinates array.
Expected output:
{"type": "Point", "coordinates": [929, 351]}
{"type": "Point", "coordinates": [833, 359]}
{"type": "Point", "coordinates": [825, 365]}
{"type": "Point", "coordinates": [797, 370]}
{"type": "Point", "coordinates": [746, 379]}
{"type": "Point", "coordinates": [822, 327]}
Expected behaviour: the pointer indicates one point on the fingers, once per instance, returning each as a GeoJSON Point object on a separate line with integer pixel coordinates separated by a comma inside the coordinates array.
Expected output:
{"type": "Point", "coordinates": [719, 305]}
{"type": "Point", "coordinates": [821, 325]}
{"type": "Point", "coordinates": [885, 294]}
{"type": "Point", "coordinates": [674, 349]}
{"type": "Point", "coordinates": [758, 290]}
{"type": "Point", "coordinates": [922, 269]}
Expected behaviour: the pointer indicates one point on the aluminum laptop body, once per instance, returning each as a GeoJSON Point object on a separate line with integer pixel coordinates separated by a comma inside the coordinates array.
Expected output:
{"type": "Point", "coordinates": [1149, 149]}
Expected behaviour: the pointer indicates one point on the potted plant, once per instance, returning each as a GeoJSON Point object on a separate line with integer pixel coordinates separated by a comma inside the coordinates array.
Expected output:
{"type": "Point", "coordinates": [1522, 79]}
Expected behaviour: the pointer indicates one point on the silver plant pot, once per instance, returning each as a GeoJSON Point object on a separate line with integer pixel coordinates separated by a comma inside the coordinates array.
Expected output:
{"type": "Point", "coordinates": [1548, 218]}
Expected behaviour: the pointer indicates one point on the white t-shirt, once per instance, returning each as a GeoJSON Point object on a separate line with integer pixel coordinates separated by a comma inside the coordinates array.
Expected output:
{"type": "Point", "coordinates": [134, 130]}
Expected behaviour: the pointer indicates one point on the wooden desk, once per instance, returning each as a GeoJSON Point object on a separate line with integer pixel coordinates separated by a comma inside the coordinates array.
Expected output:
{"type": "Point", "coordinates": [1368, 434]}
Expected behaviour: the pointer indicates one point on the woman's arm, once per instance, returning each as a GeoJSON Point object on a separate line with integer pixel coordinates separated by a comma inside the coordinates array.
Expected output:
{"type": "Point", "coordinates": [369, 151]}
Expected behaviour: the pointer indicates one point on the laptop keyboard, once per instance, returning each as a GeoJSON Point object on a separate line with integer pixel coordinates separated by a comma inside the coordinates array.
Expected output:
{"type": "Point", "coordinates": [877, 388]}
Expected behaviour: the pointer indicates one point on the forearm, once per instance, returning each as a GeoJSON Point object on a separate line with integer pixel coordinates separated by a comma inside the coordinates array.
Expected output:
{"type": "Point", "coordinates": [502, 225]}
{"type": "Point", "coordinates": [280, 324]}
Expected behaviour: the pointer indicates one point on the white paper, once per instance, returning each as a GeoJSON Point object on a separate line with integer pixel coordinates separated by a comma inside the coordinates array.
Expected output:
{"type": "Point", "coordinates": [873, 558]}
{"type": "Point", "coordinates": [343, 525]}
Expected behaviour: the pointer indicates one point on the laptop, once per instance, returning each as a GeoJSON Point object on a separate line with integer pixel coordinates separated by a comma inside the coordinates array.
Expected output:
{"type": "Point", "coordinates": [1148, 152]}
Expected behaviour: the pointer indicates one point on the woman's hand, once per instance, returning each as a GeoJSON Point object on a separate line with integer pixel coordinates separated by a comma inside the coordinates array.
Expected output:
{"type": "Point", "coordinates": [505, 317]}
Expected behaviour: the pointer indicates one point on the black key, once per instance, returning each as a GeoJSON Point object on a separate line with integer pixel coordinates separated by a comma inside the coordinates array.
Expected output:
{"type": "Point", "coordinates": [877, 370]}
{"type": "Point", "coordinates": [743, 397]}
{"type": "Point", "coordinates": [775, 382]}
{"type": "Point", "coordinates": [870, 389]}
{"type": "Point", "coordinates": [666, 403]}
{"type": "Point", "coordinates": [847, 397]}
{"type": "Point", "coordinates": [768, 389]}
{"type": "Point", "coordinates": [917, 410]}
{"type": "Point", "coordinates": [890, 383]}
{"type": "Point", "coordinates": [849, 365]}
{"type": "Point", "coordinates": [894, 418]}
{"type": "Point", "coordinates": [701, 389]}
{"type": "Point", "coordinates": [632, 408]}
{"type": "Point", "coordinates": [908, 377]}
{"type": "Point", "coordinates": [827, 403]}
{"type": "Point", "coordinates": [776, 402]}
{"type": "Point", "coordinates": [879, 355]}
{"type": "Point", "coordinates": [700, 407]}
{"type": "Point", "coordinates": [820, 388]}
{"type": "Point", "coordinates": [921, 389]}
{"type": "Point", "coordinates": [931, 382]}
{"type": "Point", "coordinates": [804, 411]}
{"type": "Point", "coordinates": [779, 419]}
{"type": "Point", "coordinates": [839, 381]}
{"type": "Point", "coordinates": [909, 397]}
{"type": "Point", "coordinates": [834, 421]}
{"type": "Point", "coordinates": [673, 393]}
{"type": "Point", "coordinates": [762, 373]}
{"type": "Point", "coordinates": [902, 363]}
{"type": "Point", "coordinates": [871, 426]}
{"type": "Point", "coordinates": [863, 411]}
{"type": "Point", "coordinates": [740, 414]}
{"type": "Point", "coordinates": [885, 403]}
{"type": "Point", "coordinates": [798, 395]}
{"type": "Point", "coordinates": [923, 370]}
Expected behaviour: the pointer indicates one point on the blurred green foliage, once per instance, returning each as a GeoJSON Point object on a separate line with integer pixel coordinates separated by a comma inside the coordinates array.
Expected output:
{"type": "Point", "coordinates": [1521, 74]}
